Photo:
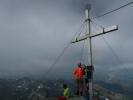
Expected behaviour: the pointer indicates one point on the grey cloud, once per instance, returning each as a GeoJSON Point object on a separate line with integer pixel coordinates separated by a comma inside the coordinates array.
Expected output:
{"type": "Point", "coordinates": [33, 33]}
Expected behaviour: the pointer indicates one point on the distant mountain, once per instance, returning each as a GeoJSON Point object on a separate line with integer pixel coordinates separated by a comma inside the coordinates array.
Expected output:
{"type": "Point", "coordinates": [119, 81]}
{"type": "Point", "coordinates": [28, 89]}
{"type": "Point", "coordinates": [39, 89]}
{"type": "Point", "coordinates": [116, 90]}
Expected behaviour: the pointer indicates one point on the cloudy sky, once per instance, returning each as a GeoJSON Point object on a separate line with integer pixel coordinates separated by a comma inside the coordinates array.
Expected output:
{"type": "Point", "coordinates": [34, 32]}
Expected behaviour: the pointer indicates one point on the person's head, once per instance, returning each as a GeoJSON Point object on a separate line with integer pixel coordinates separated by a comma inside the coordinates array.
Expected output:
{"type": "Point", "coordinates": [79, 64]}
{"type": "Point", "coordinates": [87, 67]}
{"type": "Point", "coordinates": [90, 67]}
{"type": "Point", "coordinates": [64, 86]}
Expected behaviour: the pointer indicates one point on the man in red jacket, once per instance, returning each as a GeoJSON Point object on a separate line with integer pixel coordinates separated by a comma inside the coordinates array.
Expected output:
{"type": "Point", "coordinates": [79, 74]}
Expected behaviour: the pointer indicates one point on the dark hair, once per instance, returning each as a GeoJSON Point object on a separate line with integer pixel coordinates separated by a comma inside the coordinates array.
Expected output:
{"type": "Point", "coordinates": [79, 64]}
{"type": "Point", "coordinates": [64, 86]}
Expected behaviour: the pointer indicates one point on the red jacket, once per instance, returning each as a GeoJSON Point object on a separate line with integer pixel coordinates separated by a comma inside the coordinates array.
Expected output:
{"type": "Point", "coordinates": [79, 72]}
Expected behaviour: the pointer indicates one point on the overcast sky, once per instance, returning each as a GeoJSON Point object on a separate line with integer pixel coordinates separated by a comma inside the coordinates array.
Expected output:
{"type": "Point", "coordinates": [34, 32]}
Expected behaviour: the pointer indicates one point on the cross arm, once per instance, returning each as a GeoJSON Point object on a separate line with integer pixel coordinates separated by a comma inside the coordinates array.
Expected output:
{"type": "Point", "coordinates": [106, 30]}
{"type": "Point", "coordinates": [80, 39]}
{"type": "Point", "coordinates": [103, 31]}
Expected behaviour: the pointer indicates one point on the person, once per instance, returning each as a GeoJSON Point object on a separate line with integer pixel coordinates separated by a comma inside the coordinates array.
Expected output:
{"type": "Point", "coordinates": [86, 80]}
{"type": "Point", "coordinates": [79, 74]}
{"type": "Point", "coordinates": [88, 73]}
{"type": "Point", "coordinates": [66, 93]}
{"type": "Point", "coordinates": [88, 76]}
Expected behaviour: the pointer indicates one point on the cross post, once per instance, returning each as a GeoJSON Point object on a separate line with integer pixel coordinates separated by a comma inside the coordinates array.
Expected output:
{"type": "Point", "coordinates": [88, 36]}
